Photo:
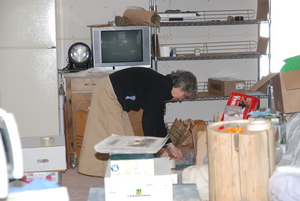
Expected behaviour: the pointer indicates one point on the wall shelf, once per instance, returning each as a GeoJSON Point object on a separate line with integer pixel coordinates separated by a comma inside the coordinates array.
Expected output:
{"type": "Point", "coordinates": [212, 57]}
{"type": "Point", "coordinates": [211, 23]}
{"type": "Point", "coordinates": [204, 95]}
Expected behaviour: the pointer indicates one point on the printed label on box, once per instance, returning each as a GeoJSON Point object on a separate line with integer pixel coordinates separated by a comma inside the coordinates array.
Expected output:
{"type": "Point", "coordinates": [240, 86]}
{"type": "Point", "coordinates": [224, 86]}
{"type": "Point", "coordinates": [141, 167]}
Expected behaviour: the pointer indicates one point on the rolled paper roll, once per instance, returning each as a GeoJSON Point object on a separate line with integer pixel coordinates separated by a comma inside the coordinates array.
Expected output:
{"type": "Point", "coordinates": [259, 125]}
{"type": "Point", "coordinates": [47, 141]}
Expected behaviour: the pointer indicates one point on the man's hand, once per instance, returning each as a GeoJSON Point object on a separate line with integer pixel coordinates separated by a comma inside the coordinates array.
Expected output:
{"type": "Point", "coordinates": [162, 153]}
{"type": "Point", "coordinates": [175, 152]}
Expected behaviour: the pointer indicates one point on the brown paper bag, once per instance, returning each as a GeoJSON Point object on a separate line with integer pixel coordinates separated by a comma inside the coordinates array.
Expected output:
{"type": "Point", "coordinates": [181, 134]}
{"type": "Point", "coordinates": [141, 18]}
{"type": "Point", "coordinates": [201, 147]}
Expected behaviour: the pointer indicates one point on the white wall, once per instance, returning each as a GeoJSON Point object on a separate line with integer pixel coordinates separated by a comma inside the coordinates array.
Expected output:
{"type": "Point", "coordinates": [73, 17]}
{"type": "Point", "coordinates": [285, 32]}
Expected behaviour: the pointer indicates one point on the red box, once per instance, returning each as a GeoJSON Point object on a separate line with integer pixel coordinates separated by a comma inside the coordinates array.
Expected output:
{"type": "Point", "coordinates": [51, 176]}
{"type": "Point", "coordinates": [248, 103]}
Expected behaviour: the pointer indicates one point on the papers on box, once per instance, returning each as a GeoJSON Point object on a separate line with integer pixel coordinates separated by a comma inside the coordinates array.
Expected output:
{"type": "Point", "coordinates": [130, 144]}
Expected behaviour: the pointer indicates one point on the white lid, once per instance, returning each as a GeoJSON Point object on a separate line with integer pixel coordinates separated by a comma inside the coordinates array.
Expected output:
{"type": "Point", "coordinates": [259, 125]}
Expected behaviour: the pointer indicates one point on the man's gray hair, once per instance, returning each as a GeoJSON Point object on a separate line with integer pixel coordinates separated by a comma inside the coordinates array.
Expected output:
{"type": "Point", "coordinates": [186, 80]}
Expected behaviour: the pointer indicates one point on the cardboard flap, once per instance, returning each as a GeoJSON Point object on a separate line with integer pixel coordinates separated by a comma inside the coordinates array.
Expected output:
{"type": "Point", "coordinates": [262, 45]}
{"type": "Point", "coordinates": [201, 147]}
{"type": "Point", "coordinates": [261, 84]}
{"type": "Point", "coordinates": [262, 10]}
{"type": "Point", "coordinates": [290, 79]}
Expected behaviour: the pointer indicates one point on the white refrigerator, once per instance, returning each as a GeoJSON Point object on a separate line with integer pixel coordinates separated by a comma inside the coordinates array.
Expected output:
{"type": "Point", "coordinates": [28, 65]}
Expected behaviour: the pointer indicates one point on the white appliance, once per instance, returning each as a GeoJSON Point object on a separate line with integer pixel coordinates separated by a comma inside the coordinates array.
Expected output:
{"type": "Point", "coordinates": [11, 160]}
{"type": "Point", "coordinates": [11, 167]}
{"type": "Point", "coordinates": [29, 75]}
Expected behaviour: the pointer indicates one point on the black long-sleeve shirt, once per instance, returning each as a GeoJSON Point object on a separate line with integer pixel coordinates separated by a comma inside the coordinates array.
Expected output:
{"type": "Point", "coordinates": [144, 88]}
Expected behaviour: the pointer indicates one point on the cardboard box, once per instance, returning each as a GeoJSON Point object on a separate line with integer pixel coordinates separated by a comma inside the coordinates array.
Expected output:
{"type": "Point", "coordinates": [80, 119]}
{"type": "Point", "coordinates": [157, 187]}
{"type": "Point", "coordinates": [286, 87]}
{"type": "Point", "coordinates": [262, 9]}
{"type": "Point", "coordinates": [38, 158]}
{"type": "Point", "coordinates": [177, 176]}
{"type": "Point", "coordinates": [224, 86]}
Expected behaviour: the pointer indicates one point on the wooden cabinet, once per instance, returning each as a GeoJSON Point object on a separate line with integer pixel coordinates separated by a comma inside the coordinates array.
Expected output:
{"type": "Point", "coordinates": [79, 88]}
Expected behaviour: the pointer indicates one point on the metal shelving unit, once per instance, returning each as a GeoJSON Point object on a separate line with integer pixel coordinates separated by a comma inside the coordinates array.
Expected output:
{"type": "Point", "coordinates": [214, 50]}
{"type": "Point", "coordinates": [212, 18]}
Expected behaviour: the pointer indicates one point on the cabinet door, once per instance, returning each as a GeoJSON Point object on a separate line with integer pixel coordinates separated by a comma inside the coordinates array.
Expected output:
{"type": "Point", "coordinates": [80, 102]}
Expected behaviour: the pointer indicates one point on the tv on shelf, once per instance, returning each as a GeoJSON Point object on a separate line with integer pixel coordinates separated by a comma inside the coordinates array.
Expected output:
{"type": "Point", "coordinates": [121, 46]}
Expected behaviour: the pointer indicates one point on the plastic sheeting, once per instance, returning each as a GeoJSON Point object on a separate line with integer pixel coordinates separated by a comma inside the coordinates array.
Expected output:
{"type": "Point", "coordinates": [197, 174]}
{"type": "Point", "coordinates": [284, 184]}
{"type": "Point", "coordinates": [293, 138]}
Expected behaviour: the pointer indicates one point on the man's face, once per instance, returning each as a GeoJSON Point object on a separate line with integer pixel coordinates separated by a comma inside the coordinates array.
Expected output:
{"type": "Point", "coordinates": [179, 94]}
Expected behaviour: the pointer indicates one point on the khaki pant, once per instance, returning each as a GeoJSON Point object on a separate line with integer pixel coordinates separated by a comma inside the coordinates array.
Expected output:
{"type": "Point", "coordinates": [106, 117]}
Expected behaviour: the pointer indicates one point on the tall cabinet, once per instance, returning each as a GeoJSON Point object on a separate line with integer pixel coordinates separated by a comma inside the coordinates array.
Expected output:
{"type": "Point", "coordinates": [237, 49]}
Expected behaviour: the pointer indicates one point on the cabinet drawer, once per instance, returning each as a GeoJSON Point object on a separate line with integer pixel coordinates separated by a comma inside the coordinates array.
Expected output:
{"type": "Point", "coordinates": [84, 84]}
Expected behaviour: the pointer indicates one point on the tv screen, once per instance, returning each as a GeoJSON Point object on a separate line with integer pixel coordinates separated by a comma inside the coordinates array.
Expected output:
{"type": "Point", "coordinates": [121, 46]}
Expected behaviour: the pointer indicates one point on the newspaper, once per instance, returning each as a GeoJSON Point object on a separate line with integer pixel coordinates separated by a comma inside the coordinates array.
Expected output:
{"type": "Point", "coordinates": [130, 144]}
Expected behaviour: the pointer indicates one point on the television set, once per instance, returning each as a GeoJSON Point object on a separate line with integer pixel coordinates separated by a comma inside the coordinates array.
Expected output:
{"type": "Point", "coordinates": [121, 46]}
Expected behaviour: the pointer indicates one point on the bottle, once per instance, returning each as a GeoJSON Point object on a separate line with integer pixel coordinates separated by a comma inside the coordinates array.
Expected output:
{"type": "Point", "coordinates": [173, 52]}
{"type": "Point", "coordinates": [272, 102]}
{"type": "Point", "coordinates": [73, 161]}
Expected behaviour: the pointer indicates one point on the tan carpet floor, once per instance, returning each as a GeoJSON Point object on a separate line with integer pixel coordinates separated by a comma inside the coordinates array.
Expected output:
{"type": "Point", "coordinates": [78, 185]}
